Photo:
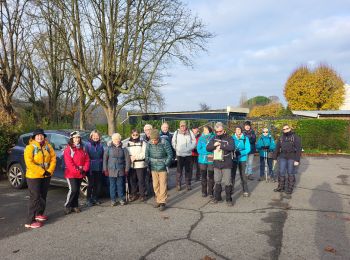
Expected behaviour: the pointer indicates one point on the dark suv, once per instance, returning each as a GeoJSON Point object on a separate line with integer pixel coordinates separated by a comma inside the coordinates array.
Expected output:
{"type": "Point", "coordinates": [58, 139]}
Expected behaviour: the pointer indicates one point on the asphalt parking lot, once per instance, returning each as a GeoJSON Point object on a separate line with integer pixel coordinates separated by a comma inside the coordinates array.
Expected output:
{"type": "Point", "coordinates": [313, 224]}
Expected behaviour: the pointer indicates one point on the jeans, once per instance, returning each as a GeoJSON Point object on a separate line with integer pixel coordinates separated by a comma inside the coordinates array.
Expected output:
{"type": "Point", "coordinates": [286, 165]}
{"type": "Point", "coordinates": [117, 184]}
{"type": "Point", "coordinates": [262, 166]}
{"type": "Point", "coordinates": [249, 164]}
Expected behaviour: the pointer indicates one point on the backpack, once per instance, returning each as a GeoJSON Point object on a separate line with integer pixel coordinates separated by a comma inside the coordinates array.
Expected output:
{"type": "Point", "coordinates": [176, 133]}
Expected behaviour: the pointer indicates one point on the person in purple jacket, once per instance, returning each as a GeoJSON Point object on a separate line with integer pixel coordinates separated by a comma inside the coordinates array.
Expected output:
{"type": "Point", "coordinates": [95, 150]}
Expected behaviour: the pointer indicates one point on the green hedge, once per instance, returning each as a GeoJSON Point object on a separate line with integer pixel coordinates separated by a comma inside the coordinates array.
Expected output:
{"type": "Point", "coordinates": [324, 134]}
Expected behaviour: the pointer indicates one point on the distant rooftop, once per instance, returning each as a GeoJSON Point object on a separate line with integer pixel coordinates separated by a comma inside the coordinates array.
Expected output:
{"type": "Point", "coordinates": [320, 113]}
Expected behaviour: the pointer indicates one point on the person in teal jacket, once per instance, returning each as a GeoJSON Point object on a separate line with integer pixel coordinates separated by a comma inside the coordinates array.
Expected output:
{"type": "Point", "coordinates": [205, 161]}
{"type": "Point", "coordinates": [241, 155]}
{"type": "Point", "coordinates": [266, 146]}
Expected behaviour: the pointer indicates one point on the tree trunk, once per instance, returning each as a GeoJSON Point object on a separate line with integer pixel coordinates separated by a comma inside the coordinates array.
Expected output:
{"type": "Point", "coordinates": [7, 107]}
{"type": "Point", "coordinates": [110, 114]}
{"type": "Point", "coordinates": [82, 109]}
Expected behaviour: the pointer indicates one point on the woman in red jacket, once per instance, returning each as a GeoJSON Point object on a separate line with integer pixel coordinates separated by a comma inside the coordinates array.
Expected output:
{"type": "Point", "coordinates": [77, 164]}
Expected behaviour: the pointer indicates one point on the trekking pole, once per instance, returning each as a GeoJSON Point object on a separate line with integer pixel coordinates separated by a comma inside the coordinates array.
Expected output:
{"type": "Point", "coordinates": [127, 193]}
{"type": "Point", "coordinates": [266, 169]}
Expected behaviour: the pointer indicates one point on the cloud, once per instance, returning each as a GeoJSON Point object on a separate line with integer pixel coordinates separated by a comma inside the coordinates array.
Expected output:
{"type": "Point", "coordinates": [258, 44]}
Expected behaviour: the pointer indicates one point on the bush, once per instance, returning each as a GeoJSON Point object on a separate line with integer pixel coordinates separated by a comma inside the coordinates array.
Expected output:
{"type": "Point", "coordinates": [324, 134]}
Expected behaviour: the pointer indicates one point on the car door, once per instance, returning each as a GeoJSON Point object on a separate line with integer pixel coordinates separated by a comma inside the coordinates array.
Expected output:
{"type": "Point", "coordinates": [59, 143]}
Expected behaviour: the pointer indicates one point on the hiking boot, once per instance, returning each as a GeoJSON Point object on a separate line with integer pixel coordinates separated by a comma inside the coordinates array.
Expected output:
{"type": "Point", "coordinates": [204, 195]}
{"type": "Point", "coordinates": [211, 196]}
{"type": "Point", "coordinates": [250, 177]}
{"type": "Point", "coordinates": [142, 199]}
{"type": "Point", "coordinates": [77, 210]}
{"type": "Point", "coordinates": [122, 202]}
{"type": "Point", "coordinates": [162, 207]}
{"type": "Point", "coordinates": [214, 201]}
{"type": "Point", "coordinates": [156, 205]}
{"type": "Point", "coordinates": [178, 187]}
{"type": "Point", "coordinates": [262, 178]}
{"type": "Point", "coordinates": [188, 187]}
{"type": "Point", "coordinates": [281, 184]}
{"type": "Point", "coordinates": [113, 203]}
{"type": "Point", "coordinates": [41, 218]}
{"type": "Point", "coordinates": [67, 211]}
{"type": "Point", "coordinates": [245, 194]}
{"type": "Point", "coordinates": [34, 225]}
{"type": "Point", "coordinates": [89, 203]}
{"type": "Point", "coordinates": [229, 203]}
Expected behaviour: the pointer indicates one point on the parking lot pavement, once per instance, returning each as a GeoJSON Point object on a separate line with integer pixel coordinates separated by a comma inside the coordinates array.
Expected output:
{"type": "Point", "coordinates": [313, 224]}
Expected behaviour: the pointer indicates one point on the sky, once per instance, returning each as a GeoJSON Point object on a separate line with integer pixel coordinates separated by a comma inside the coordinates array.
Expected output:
{"type": "Point", "coordinates": [257, 45]}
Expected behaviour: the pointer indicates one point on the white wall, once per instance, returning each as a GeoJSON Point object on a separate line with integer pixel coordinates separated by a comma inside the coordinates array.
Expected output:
{"type": "Point", "coordinates": [346, 104]}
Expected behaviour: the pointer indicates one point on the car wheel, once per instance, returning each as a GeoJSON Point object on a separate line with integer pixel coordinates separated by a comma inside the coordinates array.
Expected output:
{"type": "Point", "coordinates": [84, 186]}
{"type": "Point", "coordinates": [16, 176]}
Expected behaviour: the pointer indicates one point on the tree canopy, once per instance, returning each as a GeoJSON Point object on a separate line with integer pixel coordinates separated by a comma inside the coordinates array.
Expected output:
{"type": "Point", "coordinates": [318, 89]}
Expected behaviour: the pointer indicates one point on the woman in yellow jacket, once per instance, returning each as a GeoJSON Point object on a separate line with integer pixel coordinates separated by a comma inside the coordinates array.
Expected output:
{"type": "Point", "coordinates": [40, 160]}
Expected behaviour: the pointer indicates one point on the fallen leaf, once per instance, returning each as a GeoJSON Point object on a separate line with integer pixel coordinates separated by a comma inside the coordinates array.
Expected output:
{"type": "Point", "coordinates": [331, 215]}
{"type": "Point", "coordinates": [330, 249]}
{"type": "Point", "coordinates": [15, 251]}
{"type": "Point", "coordinates": [346, 218]}
{"type": "Point", "coordinates": [165, 217]}
{"type": "Point", "coordinates": [208, 258]}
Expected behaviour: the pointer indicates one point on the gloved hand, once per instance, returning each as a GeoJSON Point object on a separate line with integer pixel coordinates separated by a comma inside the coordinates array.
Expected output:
{"type": "Point", "coordinates": [46, 174]}
{"type": "Point", "coordinates": [265, 147]}
{"type": "Point", "coordinates": [106, 173]}
{"type": "Point", "coordinates": [238, 153]}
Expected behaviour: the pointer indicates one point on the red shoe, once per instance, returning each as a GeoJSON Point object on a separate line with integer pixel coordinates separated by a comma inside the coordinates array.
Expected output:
{"type": "Point", "coordinates": [34, 225]}
{"type": "Point", "coordinates": [41, 218]}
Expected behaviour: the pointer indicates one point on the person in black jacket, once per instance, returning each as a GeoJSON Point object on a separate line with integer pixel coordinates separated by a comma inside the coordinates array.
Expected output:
{"type": "Point", "coordinates": [222, 145]}
{"type": "Point", "coordinates": [250, 133]}
{"type": "Point", "coordinates": [288, 149]}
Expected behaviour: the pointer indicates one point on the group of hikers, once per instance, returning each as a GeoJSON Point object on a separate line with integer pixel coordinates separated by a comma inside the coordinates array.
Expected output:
{"type": "Point", "coordinates": [143, 163]}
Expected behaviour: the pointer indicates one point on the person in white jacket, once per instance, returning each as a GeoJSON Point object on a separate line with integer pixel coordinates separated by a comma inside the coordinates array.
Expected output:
{"type": "Point", "coordinates": [183, 143]}
{"type": "Point", "coordinates": [137, 149]}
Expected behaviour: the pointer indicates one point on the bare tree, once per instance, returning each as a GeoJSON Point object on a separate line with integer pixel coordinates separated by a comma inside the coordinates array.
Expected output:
{"type": "Point", "coordinates": [12, 31]}
{"type": "Point", "coordinates": [204, 106]}
{"type": "Point", "coordinates": [112, 43]}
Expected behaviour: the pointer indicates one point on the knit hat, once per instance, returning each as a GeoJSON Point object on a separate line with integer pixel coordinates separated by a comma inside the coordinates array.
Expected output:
{"type": "Point", "coordinates": [74, 134]}
{"type": "Point", "coordinates": [38, 132]}
{"type": "Point", "coordinates": [154, 134]}
{"type": "Point", "coordinates": [247, 123]}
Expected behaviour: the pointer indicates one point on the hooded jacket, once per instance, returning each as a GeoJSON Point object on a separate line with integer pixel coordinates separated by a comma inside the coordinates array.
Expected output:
{"type": "Point", "coordinates": [203, 141]}
{"type": "Point", "coordinates": [39, 159]}
{"type": "Point", "coordinates": [137, 148]}
{"type": "Point", "coordinates": [95, 151]}
{"type": "Point", "coordinates": [116, 160]}
{"type": "Point", "coordinates": [288, 147]}
{"type": "Point", "coordinates": [159, 155]}
{"type": "Point", "coordinates": [252, 139]}
{"type": "Point", "coordinates": [265, 141]}
{"type": "Point", "coordinates": [74, 160]}
{"type": "Point", "coordinates": [227, 145]}
{"type": "Point", "coordinates": [242, 145]}
{"type": "Point", "coordinates": [183, 143]}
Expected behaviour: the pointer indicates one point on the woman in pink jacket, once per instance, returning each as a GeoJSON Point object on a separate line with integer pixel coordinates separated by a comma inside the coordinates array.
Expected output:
{"type": "Point", "coordinates": [77, 164]}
